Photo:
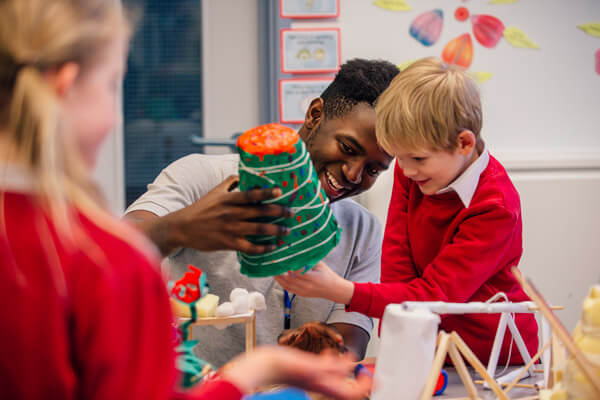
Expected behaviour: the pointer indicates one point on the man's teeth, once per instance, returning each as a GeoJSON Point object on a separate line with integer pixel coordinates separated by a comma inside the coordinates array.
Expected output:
{"type": "Point", "coordinates": [334, 184]}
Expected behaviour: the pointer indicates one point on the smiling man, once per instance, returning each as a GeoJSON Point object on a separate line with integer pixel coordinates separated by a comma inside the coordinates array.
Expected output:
{"type": "Point", "coordinates": [339, 131]}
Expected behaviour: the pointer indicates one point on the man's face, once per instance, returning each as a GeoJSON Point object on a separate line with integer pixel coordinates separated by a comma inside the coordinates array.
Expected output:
{"type": "Point", "coordinates": [345, 153]}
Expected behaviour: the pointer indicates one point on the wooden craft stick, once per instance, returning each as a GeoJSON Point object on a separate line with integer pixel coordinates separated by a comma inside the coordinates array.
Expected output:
{"type": "Point", "coordinates": [519, 385]}
{"type": "Point", "coordinates": [475, 363]}
{"type": "Point", "coordinates": [438, 362]}
{"type": "Point", "coordinates": [559, 329]}
{"type": "Point", "coordinates": [553, 308]}
{"type": "Point", "coordinates": [462, 370]}
{"type": "Point", "coordinates": [529, 364]}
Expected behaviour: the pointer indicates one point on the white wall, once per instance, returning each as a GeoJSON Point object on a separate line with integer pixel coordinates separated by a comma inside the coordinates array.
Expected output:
{"type": "Point", "coordinates": [559, 189]}
{"type": "Point", "coordinates": [230, 66]}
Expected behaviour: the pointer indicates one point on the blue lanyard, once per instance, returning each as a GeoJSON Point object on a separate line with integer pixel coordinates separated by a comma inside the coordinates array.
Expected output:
{"type": "Point", "coordinates": [287, 304]}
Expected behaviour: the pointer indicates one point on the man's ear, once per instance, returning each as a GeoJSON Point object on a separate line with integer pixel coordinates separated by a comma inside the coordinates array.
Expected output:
{"type": "Point", "coordinates": [466, 142]}
{"type": "Point", "coordinates": [313, 117]}
{"type": "Point", "coordinates": [63, 78]}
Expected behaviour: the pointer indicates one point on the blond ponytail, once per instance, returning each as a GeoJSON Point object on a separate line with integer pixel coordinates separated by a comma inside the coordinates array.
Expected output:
{"type": "Point", "coordinates": [37, 36]}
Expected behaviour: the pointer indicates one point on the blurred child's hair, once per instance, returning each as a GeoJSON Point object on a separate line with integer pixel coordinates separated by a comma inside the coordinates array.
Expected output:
{"type": "Point", "coordinates": [426, 106]}
{"type": "Point", "coordinates": [357, 81]}
{"type": "Point", "coordinates": [37, 36]}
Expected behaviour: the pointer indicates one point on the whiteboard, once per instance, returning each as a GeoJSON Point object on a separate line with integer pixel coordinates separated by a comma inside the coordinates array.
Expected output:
{"type": "Point", "coordinates": [539, 103]}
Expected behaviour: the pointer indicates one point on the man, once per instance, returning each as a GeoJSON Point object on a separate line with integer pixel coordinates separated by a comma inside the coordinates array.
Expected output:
{"type": "Point", "coordinates": [339, 132]}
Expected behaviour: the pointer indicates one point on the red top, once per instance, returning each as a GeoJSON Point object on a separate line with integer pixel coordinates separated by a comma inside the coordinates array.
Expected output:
{"type": "Point", "coordinates": [435, 249]}
{"type": "Point", "coordinates": [90, 321]}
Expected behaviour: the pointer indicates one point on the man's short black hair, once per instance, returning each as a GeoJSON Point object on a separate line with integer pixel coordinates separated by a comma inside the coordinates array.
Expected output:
{"type": "Point", "coordinates": [357, 81]}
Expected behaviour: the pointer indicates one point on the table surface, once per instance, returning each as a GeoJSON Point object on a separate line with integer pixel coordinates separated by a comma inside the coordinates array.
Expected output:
{"type": "Point", "coordinates": [456, 389]}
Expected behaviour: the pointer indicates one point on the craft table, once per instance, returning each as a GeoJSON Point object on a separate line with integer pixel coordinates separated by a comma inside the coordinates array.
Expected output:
{"type": "Point", "coordinates": [456, 390]}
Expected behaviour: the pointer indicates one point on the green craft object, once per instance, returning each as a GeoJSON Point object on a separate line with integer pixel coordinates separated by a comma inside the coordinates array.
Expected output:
{"type": "Point", "coordinates": [314, 232]}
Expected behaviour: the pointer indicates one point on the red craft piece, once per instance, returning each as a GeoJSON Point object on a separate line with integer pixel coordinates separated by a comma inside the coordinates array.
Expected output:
{"type": "Point", "coordinates": [461, 14]}
{"type": "Point", "coordinates": [488, 30]}
{"type": "Point", "coordinates": [187, 289]}
{"type": "Point", "coordinates": [459, 51]}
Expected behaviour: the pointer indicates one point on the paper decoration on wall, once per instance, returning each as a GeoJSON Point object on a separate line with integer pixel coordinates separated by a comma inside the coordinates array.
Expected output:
{"type": "Point", "coordinates": [459, 51]}
{"type": "Point", "coordinates": [502, 1]}
{"type": "Point", "coordinates": [393, 5]}
{"type": "Point", "coordinates": [405, 64]}
{"type": "Point", "coordinates": [427, 27]}
{"type": "Point", "coordinates": [487, 30]}
{"type": "Point", "coordinates": [592, 28]}
{"type": "Point", "coordinates": [517, 38]}
{"type": "Point", "coordinates": [598, 61]}
{"type": "Point", "coordinates": [461, 14]}
{"type": "Point", "coordinates": [480, 77]}
{"type": "Point", "coordinates": [274, 155]}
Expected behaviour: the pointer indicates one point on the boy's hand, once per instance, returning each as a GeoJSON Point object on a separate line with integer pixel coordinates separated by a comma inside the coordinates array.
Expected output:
{"type": "Point", "coordinates": [320, 282]}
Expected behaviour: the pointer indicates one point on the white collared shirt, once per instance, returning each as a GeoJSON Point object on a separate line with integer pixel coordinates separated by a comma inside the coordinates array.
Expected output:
{"type": "Point", "coordinates": [467, 182]}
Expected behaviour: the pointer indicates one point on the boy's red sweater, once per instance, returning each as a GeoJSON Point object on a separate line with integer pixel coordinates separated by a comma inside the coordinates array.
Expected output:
{"type": "Point", "coordinates": [435, 249]}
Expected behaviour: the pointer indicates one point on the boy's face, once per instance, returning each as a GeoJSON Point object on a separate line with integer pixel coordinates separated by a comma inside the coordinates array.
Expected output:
{"type": "Point", "coordinates": [345, 153]}
{"type": "Point", "coordinates": [433, 170]}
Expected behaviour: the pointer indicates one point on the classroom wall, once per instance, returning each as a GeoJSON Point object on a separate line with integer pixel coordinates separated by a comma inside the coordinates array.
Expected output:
{"type": "Point", "coordinates": [559, 189]}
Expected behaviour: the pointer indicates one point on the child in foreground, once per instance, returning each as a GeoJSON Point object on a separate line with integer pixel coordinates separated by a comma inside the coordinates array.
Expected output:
{"type": "Point", "coordinates": [454, 225]}
{"type": "Point", "coordinates": [84, 311]}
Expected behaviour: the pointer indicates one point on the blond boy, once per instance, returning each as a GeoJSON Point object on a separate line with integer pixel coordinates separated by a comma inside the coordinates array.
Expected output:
{"type": "Point", "coordinates": [454, 222]}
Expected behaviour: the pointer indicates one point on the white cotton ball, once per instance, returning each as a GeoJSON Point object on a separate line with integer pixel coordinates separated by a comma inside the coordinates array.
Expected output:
{"type": "Point", "coordinates": [224, 310]}
{"type": "Point", "coordinates": [241, 304]}
{"type": "Point", "coordinates": [257, 301]}
{"type": "Point", "coordinates": [237, 292]}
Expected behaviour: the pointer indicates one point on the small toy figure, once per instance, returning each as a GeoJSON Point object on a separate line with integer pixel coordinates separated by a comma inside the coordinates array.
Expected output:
{"type": "Point", "coordinates": [192, 286]}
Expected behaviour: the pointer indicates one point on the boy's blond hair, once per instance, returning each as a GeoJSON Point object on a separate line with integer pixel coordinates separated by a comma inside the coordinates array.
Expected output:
{"type": "Point", "coordinates": [426, 106]}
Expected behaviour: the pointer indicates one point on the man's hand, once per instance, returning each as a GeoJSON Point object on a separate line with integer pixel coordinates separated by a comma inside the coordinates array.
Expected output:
{"type": "Point", "coordinates": [217, 221]}
{"type": "Point", "coordinates": [320, 282]}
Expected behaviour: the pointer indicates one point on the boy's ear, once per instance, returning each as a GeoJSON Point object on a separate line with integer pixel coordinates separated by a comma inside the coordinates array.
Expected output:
{"type": "Point", "coordinates": [466, 142]}
{"type": "Point", "coordinates": [313, 117]}
{"type": "Point", "coordinates": [63, 78]}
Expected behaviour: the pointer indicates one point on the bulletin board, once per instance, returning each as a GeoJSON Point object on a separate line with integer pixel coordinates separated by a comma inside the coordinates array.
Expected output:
{"type": "Point", "coordinates": [537, 102]}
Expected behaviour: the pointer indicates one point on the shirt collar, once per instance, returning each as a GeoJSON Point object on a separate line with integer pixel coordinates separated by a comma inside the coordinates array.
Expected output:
{"type": "Point", "coordinates": [467, 182]}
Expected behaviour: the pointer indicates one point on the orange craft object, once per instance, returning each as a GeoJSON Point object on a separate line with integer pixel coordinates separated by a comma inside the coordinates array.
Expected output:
{"type": "Point", "coordinates": [459, 51]}
{"type": "Point", "coordinates": [268, 139]}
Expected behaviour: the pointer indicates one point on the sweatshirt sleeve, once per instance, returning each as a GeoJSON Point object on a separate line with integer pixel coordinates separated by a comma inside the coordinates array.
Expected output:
{"type": "Point", "coordinates": [396, 260]}
{"type": "Point", "coordinates": [479, 249]}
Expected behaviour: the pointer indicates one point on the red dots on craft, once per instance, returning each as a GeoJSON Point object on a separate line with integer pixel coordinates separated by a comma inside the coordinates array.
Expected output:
{"type": "Point", "coordinates": [299, 218]}
{"type": "Point", "coordinates": [301, 197]}
{"type": "Point", "coordinates": [303, 232]}
{"type": "Point", "coordinates": [280, 242]}
{"type": "Point", "coordinates": [284, 184]}
{"type": "Point", "coordinates": [461, 14]}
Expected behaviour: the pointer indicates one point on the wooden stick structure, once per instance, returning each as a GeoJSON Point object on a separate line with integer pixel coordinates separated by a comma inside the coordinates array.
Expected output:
{"type": "Point", "coordinates": [529, 364]}
{"type": "Point", "coordinates": [248, 319]}
{"type": "Point", "coordinates": [453, 346]}
{"type": "Point", "coordinates": [559, 329]}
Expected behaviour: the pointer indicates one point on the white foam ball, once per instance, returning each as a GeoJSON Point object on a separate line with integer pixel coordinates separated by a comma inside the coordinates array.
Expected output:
{"type": "Point", "coordinates": [241, 304]}
{"type": "Point", "coordinates": [237, 292]}
{"type": "Point", "coordinates": [257, 301]}
{"type": "Point", "coordinates": [225, 310]}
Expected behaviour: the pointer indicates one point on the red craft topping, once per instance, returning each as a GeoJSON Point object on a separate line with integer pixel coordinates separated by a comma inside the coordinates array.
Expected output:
{"type": "Point", "coordinates": [268, 139]}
